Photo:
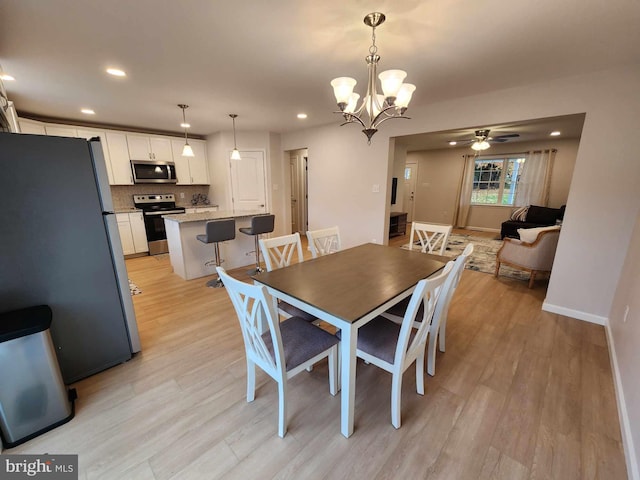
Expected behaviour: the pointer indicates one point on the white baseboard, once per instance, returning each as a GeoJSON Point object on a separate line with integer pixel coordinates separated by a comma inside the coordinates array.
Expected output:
{"type": "Point", "coordinates": [568, 312]}
{"type": "Point", "coordinates": [625, 427]}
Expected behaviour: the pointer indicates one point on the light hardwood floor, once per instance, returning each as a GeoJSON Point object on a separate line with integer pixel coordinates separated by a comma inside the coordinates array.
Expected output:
{"type": "Point", "coordinates": [519, 394]}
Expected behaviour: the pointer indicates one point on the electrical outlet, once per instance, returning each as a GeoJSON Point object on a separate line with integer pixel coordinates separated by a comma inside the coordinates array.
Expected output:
{"type": "Point", "coordinates": [375, 188]}
{"type": "Point", "coordinates": [181, 194]}
{"type": "Point", "coordinates": [626, 314]}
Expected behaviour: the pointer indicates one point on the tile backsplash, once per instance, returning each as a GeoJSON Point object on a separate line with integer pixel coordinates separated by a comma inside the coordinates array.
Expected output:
{"type": "Point", "coordinates": [123, 194]}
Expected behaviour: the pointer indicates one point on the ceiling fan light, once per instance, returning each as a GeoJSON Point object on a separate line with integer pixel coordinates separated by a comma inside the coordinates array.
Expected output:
{"type": "Point", "coordinates": [404, 95]}
{"type": "Point", "coordinates": [235, 154]}
{"type": "Point", "coordinates": [483, 145]}
{"type": "Point", "coordinates": [391, 81]}
{"type": "Point", "coordinates": [343, 88]}
{"type": "Point", "coordinates": [187, 151]}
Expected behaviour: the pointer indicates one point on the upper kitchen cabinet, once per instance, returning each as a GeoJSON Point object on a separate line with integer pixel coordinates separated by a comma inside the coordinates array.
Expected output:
{"type": "Point", "coordinates": [119, 156]}
{"type": "Point", "coordinates": [60, 131]}
{"type": "Point", "coordinates": [30, 126]}
{"type": "Point", "coordinates": [142, 147]}
{"type": "Point", "coordinates": [191, 170]}
{"type": "Point", "coordinates": [89, 134]}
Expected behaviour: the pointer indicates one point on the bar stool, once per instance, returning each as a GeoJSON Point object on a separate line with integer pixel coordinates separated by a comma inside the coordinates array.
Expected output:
{"type": "Point", "coordinates": [218, 231]}
{"type": "Point", "coordinates": [259, 224]}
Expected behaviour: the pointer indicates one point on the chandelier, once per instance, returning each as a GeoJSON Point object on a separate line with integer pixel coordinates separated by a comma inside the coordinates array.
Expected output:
{"type": "Point", "coordinates": [375, 108]}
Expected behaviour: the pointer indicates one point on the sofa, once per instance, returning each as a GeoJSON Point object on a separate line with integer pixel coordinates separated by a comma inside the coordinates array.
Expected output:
{"type": "Point", "coordinates": [531, 217]}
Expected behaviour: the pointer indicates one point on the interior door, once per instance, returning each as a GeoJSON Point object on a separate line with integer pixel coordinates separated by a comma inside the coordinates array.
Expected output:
{"type": "Point", "coordinates": [295, 189]}
{"type": "Point", "coordinates": [248, 182]}
{"type": "Point", "coordinates": [410, 175]}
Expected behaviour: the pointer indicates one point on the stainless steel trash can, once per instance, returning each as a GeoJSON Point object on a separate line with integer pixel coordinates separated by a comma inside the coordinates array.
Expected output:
{"type": "Point", "coordinates": [33, 397]}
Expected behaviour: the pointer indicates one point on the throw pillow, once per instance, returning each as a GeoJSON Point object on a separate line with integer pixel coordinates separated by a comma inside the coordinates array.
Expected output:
{"type": "Point", "coordinates": [520, 214]}
{"type": "Point", "coordinates": [529, 235]}
{"type": "Point", "coordinates": [542, 215]}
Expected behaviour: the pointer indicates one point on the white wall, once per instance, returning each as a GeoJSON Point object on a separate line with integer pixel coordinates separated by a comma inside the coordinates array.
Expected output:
{"type": "Point", "coordinates": [624, 340]}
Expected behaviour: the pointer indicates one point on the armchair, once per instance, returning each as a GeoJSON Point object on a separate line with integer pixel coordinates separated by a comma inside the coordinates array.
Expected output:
{"type": "Point", "coordinates": [535, 257]}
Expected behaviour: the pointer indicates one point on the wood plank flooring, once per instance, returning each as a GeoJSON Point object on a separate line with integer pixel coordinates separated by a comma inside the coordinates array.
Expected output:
{"type": "Point", "coordinates": [519, 394]}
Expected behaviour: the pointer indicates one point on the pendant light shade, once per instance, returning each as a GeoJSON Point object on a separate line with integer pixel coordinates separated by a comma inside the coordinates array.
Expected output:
{"type": "Point", "coordinates": [187, 151]}
{"type": "Point", "coordinates": [235, 154]}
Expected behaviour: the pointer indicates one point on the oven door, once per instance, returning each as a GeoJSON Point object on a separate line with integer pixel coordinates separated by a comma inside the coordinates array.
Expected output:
{"type": "Point", "coordinates": [156, 234]}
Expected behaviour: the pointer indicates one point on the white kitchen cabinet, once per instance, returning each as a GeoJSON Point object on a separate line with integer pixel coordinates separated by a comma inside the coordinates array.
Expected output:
{"type": "Point", "coordinates": [60, 131]}
{"type": "Point", "coordinates": [88, 134]}
{"type": "Point", "coordinates": [132, 233]}
{"type": "Point", "coordinates": [191, 170]}
{"type": "Point", "coordinates": [31, 126]}
{"type": "Point", "coordinates": [143, 147]}
{"type": "Point", "coordinates": [201, 209]}
{"type": "Point", "coordinates": [126, 236]}
{"type": "Point", "coordinates": [119, 157]}
{"type": "Point", "coordinates": [138, 233]}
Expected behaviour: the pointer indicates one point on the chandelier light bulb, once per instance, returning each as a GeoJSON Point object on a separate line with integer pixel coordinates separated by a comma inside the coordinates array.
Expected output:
{"type": "Point", "coordinates": [391, 81]}
{"type": "Point", "coordinates": [404, 95]}
{"type": "Point", "coordinates": [343, 88]}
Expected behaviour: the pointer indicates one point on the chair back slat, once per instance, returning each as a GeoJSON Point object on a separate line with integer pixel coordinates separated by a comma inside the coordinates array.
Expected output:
{"type": "Point", "coordinates": [278, 252]}
{"type": "Point", "coordinates": [254, 312]}
{"type": "Point", "coordinates": [433, 238]}
{"type": "Point", "coordinates": [427, 291]}
{"type": "Point", "coordinates": [324, 241]}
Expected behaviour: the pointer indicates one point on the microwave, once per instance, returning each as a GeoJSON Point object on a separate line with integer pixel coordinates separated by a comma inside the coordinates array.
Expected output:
{"type": "Point", "coordinates": [149, 171]}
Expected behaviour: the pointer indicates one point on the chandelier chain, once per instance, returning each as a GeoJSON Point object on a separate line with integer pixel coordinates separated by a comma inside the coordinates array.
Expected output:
{"type": "Point", "coordinates": [373, 49]}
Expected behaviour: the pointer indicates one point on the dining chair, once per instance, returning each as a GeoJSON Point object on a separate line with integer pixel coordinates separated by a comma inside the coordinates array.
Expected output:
{"type": "Point", "coordinates": [438, 328]}
{"type": "Point", "coordinates": [324, 241]}
{"type": "Point", "coordinates": [284, 349]}
{"type": "Point", "coordinates": [433, 238]}
{"type": "Point", "coordinates": [394, 348]}
{"type": "Point", "coordinates": [277, 253]}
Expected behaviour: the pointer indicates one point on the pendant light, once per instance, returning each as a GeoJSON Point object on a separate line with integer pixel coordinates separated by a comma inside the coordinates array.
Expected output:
{"type": "Point", "coordinates": [187, 151]}
{"type": "Point", "coordinates": [235, 154]}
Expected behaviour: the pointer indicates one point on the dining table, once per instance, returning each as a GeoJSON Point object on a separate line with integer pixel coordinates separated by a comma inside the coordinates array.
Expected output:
{"type": "Point", "coordinates": [347, 289]}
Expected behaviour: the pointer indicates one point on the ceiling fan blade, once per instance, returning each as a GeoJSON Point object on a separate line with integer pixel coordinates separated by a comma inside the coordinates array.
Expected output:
{"type": "Point", "coordinates": [507, 135]}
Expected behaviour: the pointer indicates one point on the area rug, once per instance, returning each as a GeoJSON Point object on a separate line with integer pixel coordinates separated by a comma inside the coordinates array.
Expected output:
{"type": "Point", "coordinates": [133, 288]}
{"type": "Point", "coordinates": [483, 258]}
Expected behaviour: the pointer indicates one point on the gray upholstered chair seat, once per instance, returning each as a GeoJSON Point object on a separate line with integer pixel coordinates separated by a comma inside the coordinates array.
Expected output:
{"type": "Point", "coordinates": [295, 311]}
{"type": "Point", "coordinates": [379, 337]}
{"type": "Point", "coordinates": [301, 341]}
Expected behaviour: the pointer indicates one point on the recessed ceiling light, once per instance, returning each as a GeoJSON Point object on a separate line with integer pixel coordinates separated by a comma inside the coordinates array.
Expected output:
{"type": "Point", "coordinates": [185, 125]}
{"type": "Point", "coordinates": [452, 143]}
{"type": "Point", "coordinates": [6, 77]}
{"type": "Point", "coordinates": [116, 72]}
{"type": "Point", "coordinates": [87, 111]}
{"type": "Point", "coordinates": [302, 116]}
{"type": "Point", "coordinates": [555, 134]}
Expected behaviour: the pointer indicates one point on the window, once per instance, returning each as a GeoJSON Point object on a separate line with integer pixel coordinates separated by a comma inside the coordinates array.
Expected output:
{"type": "Point", "coordinates": [495, 180]}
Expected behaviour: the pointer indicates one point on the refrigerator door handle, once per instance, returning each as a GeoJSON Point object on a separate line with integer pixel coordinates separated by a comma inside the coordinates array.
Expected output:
{"type": "Point", "coordinates": [104, 214]}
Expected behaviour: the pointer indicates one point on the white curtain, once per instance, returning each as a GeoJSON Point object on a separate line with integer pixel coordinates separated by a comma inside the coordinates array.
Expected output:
{"type": "Point", "coordinates": [533, 187]}
{"type": "Point", "coordinates": [465, 191]}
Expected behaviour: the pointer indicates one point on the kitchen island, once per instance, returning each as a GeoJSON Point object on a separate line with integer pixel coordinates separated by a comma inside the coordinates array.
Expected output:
{"type": "Point", "coordinates": [188, 254]}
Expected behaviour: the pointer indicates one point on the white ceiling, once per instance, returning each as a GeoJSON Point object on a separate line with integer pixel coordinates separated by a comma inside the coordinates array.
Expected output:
{"type": "Point", "coordinates": [268, 61]}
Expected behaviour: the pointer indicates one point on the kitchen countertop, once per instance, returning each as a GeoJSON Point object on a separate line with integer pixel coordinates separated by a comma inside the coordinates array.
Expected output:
{"type": "Point", "coordinates": [127, 210]}
{"type": "Point", "coordinates": [204, 216]}
{"type": "Point", "coordinates": [198, 206]}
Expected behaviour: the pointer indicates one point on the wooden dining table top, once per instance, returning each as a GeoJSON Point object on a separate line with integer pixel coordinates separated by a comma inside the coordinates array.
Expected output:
{"type": "Point", "coordinates": [351, 283]}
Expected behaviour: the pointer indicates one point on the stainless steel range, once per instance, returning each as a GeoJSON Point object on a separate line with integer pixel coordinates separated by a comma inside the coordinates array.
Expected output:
{"type": "Point", "coordinates": [153, 208]}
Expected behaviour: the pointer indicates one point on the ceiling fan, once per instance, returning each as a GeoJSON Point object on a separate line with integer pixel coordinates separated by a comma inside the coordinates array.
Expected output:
{"type": "Point", "coordinates": [482, 139]}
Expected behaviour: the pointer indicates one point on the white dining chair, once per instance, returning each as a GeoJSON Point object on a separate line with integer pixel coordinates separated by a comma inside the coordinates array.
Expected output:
{"type": "Point", "coordinates": [284, 349]}
{"type": "Point", "coordinates": [324, 241]}
{"type": "Point", "coordinates": [438, 327]}
{"type": "Point", "coordinates": [394, 347]}
{"type": "Point", "coordinates": [278, 252]}
{"type": "Point", "coordinates": [433, 238]}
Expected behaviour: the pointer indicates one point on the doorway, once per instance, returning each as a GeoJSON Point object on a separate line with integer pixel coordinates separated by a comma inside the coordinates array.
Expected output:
{"type": "Point", "coordinates": [298, 180]}
{"type": "Point", "coordinates": [410, 175]}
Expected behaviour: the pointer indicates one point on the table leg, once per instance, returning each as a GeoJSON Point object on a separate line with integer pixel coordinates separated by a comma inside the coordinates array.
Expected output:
{"type": "Point", "coordinates": [348, 379]}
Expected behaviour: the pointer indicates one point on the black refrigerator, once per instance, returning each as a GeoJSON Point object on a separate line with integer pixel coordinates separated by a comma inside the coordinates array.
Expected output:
{"type": "Point", "coordinates": [59, 246]}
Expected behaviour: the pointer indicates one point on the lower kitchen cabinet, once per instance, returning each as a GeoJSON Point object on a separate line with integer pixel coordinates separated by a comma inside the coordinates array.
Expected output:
{"type": "Point", "coordinates": [132, 234]}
